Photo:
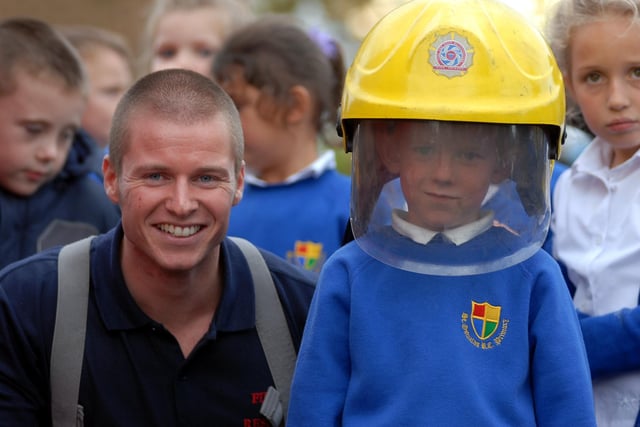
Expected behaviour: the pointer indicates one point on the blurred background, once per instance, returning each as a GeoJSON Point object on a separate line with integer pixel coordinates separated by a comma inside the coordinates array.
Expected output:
{"type": "Point", "coordinates": [347, 20]}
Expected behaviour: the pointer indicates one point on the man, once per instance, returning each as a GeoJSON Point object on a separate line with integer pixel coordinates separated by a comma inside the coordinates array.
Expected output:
{"type": "Point", "coordinates": [171, 336]}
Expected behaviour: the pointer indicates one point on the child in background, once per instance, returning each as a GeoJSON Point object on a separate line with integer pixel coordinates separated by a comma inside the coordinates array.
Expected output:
{"type": "Point", "coordinates": [596, 221]}
{"type": "Point", "coordinates": [188, 33]}
{"type": "Point", "coordinates": [443, 312]}
{"type": "Point", "coordinates": [47, 194]}
{"type": "Point", "coordinates": [109, 66]}
{"type": "Point", "coordinates": [295, 203]}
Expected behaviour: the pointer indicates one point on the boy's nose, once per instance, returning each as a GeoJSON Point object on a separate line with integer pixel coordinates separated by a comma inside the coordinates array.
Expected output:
{"type": "Point", "coordinates": [48, 150]}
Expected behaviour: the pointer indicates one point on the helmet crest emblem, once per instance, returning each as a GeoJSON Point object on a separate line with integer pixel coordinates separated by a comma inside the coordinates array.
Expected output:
{"type": "Point", "coordinates": [451, 55]}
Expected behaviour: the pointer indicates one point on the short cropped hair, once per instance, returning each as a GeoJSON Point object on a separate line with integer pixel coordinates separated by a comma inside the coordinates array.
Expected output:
{"type": "Point", "coordinates": [36, 48]}
{"type": "Point", "coordinates": [178, 96]}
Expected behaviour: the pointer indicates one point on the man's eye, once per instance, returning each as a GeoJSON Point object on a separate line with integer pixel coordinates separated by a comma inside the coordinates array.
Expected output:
{"type": "Point", "coordinates": [154, 177]}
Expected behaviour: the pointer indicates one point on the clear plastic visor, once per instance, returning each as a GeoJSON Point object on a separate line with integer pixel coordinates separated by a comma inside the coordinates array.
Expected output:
{"type": "Point", "coordinates": [449, 198]}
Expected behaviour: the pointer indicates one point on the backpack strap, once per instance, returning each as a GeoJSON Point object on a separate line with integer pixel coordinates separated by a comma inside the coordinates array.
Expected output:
{"type": "Point", "coordinates": [274, 334]}
{"type": "Point", "coordinates": [67, 351]}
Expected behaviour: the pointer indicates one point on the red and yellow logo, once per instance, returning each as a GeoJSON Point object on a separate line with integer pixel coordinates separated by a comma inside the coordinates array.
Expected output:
{"type": "Point", "coordinates": [485, 319]}
{"type": "Point", "coordinates": [307, 254]}
{"type": "Point", "coordinates": [489, 329]}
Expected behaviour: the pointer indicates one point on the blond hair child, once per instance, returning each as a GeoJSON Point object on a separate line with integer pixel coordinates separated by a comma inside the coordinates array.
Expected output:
{"type": "Point", "coordinates": [596, 221]}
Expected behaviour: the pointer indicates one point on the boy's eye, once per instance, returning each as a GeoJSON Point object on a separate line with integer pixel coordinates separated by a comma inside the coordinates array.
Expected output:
{"type": "Point", "coordinates": [423, 150]}
{"type": "Point", "coordinates": [635, 73]}
{"type": "Point", "coordinates": [34, 128]}
{"type": "Point", "coordinates": [469, 155]}
{"type": "Point", "coordinates": [67, 135]}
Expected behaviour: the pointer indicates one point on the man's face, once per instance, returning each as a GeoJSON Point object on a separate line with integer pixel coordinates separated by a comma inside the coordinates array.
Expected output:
{"type": "Point", "coordinates": [176, 189]}
{"type": "Point", "coordinates": [38, 121]}
{"type": "Point", "coordinates": [444, 175]}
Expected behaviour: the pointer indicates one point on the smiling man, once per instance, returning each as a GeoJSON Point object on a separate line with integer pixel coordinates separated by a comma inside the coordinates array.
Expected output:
{"type": "Point", "coordinates": [171, 325]}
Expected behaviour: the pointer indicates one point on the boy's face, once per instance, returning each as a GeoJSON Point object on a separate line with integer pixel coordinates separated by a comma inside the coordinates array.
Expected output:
{"type": "Point", "coordinates": [445, 175]}
{"type": "Point", "coordinates": [38, 121]}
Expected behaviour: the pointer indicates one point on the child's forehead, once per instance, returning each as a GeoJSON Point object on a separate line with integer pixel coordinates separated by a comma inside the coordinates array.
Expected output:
{"type": "Point", "coordinates": [24, 80]}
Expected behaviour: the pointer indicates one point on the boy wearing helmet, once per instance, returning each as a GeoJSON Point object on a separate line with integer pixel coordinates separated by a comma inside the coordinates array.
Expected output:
{"type": "Point", "coordinates": [445, 310]}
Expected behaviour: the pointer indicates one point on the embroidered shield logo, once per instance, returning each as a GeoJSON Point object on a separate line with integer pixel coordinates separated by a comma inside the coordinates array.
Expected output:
{"type": "Point", "coordinates": [485, 319]}
{"type": "Point", "coordinates": [307, 254]}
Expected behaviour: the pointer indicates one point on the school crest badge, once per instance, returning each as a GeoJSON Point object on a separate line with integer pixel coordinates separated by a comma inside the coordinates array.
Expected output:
{"type": "Point", "coordinates": [308, 255]}
{"type": "Point", "coordinates": [486, 322]}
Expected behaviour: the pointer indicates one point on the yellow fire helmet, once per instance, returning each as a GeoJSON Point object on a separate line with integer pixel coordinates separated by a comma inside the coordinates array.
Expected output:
{"type": "Point", "coordinates": [457, 84]}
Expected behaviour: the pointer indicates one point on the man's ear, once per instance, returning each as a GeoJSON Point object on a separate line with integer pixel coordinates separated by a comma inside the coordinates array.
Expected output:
{"type": "Point", "coordinates": [237, 197]}
{"type": "Point", "coordinates": [300, 104]}
{"type": "Point", "coordinates": [110, 179]}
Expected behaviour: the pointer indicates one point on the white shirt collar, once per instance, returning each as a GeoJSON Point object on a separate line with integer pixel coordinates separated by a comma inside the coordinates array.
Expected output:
{"type": "Point", "coordinates": [326, 161]}
{"type": "Point", "coordinates": [423, 236]}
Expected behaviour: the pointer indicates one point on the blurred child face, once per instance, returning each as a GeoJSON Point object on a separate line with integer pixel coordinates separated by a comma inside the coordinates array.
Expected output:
{"type": "Point", "coordinates": [444, 177]}
{"type": "Point", "coordinates": [109, 77]}
{"type": "Point", "coordinates": [605, 81]}
{"type": "Point", "coordinates": [263, 128]}
{"type": "Point", "coordinates": [37, 125]}
{"type": "Point", "coordinates": [189, 39]}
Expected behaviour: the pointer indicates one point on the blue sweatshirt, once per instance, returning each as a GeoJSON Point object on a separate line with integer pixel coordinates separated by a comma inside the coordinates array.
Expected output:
{"type": "Point", "coordinates": [71, 206]}
{"type": "Point", "coordinates": [388, 347]}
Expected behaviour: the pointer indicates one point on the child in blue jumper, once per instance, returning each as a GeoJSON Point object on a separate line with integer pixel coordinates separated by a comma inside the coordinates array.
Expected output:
{"type": "Point", "coordinates": [445, 310]}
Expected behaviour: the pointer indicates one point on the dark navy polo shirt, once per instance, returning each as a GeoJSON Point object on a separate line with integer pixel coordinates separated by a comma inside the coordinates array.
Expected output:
{"type": "Point", "coordinates": [134, 373]}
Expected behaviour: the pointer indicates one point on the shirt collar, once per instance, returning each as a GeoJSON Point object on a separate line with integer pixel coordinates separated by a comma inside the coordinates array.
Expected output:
{"type": "Point", "coordinates": [119, 311]}
{"type": "Point", "coordinates": [423, 236]}
{"type": "Point", "coordinates": [595, 160]}
{"type": "Point", "coordinates": [326, 161]}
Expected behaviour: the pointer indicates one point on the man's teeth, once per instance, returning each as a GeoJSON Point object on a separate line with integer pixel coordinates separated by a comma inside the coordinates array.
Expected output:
{"type": "Point", "coordinates": [180, 231]}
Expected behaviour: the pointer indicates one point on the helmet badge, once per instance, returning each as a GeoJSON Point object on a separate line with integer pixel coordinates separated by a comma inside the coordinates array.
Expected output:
{"type": "Point", "coordinates": [451, 55]}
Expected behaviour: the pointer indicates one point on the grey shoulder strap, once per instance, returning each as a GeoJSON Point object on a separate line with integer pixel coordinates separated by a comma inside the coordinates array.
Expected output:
{"type": "Point", "coordinates": [67, 351]}
{"type": "Point", "coordinates": [273, 332]}
{"type": "Point", "coordinates": [70, 329]}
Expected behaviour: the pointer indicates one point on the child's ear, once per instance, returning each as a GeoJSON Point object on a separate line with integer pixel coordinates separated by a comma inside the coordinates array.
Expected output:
{"type": "Point", "coordinates": [389, 152]}
{"type": "Point", "coordinates": [300, 104]}
{"type": "Point", "coordinates": [387, 147]}
{"type": "Point", "coordinates": [110, 179]}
